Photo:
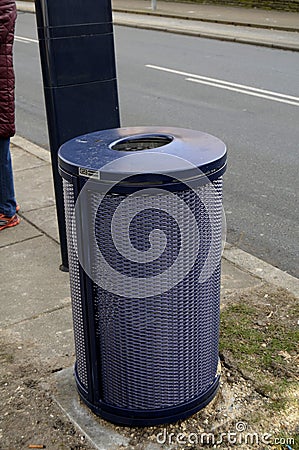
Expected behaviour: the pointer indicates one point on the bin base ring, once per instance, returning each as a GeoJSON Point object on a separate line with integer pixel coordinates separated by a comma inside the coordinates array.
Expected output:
{"type": "Point", "coordinates": [149, 417]}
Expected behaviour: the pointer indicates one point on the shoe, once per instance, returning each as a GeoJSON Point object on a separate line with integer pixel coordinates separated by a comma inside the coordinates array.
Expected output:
{"type": "Point", "coordinates": [6, 222]}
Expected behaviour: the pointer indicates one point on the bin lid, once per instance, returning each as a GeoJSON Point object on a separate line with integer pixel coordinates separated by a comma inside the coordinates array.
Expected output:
{"type": "Point", "coordinates": [144, 152]}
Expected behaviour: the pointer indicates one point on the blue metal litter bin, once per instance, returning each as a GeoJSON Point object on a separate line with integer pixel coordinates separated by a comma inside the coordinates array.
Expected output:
{"type": "Point", "coordinates": [144, 223]}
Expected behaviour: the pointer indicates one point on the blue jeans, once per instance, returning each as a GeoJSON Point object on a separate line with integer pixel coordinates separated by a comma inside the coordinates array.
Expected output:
{"type": "Point", "coordinates": [7, 192]}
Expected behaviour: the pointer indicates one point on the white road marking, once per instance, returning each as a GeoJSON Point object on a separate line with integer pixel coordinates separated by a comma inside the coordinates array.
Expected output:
{"type": "Point", "coordinates": [249, 90]}
{"type": "Point", "coordinates": [254, 94]}
{"type": "Point", "coordinates": [26, 40]}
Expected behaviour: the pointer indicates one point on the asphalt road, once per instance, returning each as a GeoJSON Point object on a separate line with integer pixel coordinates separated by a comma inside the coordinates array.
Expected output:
{"type": "Point", "coordinates": [247, 96]}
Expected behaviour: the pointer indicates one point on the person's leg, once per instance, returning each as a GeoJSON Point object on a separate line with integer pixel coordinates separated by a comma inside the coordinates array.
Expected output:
{"type": "Point", "coordinates": [7, 192]}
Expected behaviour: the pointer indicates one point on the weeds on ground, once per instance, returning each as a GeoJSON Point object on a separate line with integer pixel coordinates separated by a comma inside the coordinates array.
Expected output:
{"type": "Point", "coordinates": [260, 336]}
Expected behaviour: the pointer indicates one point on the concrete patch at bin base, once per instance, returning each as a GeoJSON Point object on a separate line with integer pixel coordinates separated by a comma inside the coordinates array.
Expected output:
{"type": "Point", "coordinates": [100, 433]}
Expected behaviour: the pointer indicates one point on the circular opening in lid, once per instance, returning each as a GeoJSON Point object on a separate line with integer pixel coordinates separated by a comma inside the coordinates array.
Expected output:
{"type": "Point", "coordinates": [137, 143]}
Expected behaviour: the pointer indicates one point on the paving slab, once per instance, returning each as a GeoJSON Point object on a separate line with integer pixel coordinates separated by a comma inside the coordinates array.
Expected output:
{"type": "Point", "coordinates": [262, 270]}
{"type": "Point", "coordinates": [23, 160]}
{"type": "Point", "coordinates": [233, 278]}
{"type": "Point", "coordinates": [20, 233]}
{"type": "Point", "coordinates": [31, 282]}
{"type": "Point", "coordinates": [39, 191]}
{"type": "Point", "coordinates": [46, 220]}
{"type": "Point", "coordinates": [50, 336]}
{"type": "Point", "coordinates": [31, 148]}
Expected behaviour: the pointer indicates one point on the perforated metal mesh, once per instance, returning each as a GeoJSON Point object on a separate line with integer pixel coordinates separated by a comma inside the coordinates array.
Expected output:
{"type": "Point", "coordinates": [159, 351]}
{"type": "Point", "coordinates": [69, 204]}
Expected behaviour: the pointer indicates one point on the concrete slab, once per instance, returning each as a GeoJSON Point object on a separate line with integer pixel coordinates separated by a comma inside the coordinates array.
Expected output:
{"type": "Point", "coordinates": [20, 233]}
{"type": "Point", "coordinates": [46, 220]}
{"type": "Point", "coordinates": [262, 270]}
{"type": "Point", "coordinates": [22, 160]}
{"type": "Point", "coordinates": [31, 148]}
{"type": "Point", "coordinates": [233, 278]}
{"type": "Point", "coordinates": [31, 282]}
{"type": "Point", "coordinates": [49, 336]}
{"type": "Point", "coordinates": [39, 191]}
{"type": "Point", "coordinates": [100, 433]}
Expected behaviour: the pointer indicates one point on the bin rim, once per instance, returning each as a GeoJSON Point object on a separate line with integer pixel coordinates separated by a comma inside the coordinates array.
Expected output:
{"type": "Point", "coordinates": [176, 153]}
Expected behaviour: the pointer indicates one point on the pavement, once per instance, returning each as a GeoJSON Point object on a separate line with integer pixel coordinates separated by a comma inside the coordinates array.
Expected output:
{"type": "Point", "coordinates": [274, 29]}
{"type": "Point", "coordinates": [35, 307]}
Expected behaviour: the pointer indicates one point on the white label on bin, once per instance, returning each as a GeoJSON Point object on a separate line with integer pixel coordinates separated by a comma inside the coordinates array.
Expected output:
{"type": "Point", "coordinates": [89, 173]}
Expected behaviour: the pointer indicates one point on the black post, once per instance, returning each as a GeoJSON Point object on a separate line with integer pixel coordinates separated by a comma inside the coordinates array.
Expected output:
{"type": "Point", "coordinates": [78, 65]}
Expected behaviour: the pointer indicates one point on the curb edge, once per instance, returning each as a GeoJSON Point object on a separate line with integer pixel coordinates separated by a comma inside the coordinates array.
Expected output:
{"type": "Point", "coordinates": [278, 46]}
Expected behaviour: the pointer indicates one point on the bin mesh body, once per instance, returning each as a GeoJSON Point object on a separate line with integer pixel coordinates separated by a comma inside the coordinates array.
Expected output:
{"type": "Point", "coordinates": [76, 291]}
{"type": "Point", "coordinates": [158, 351]}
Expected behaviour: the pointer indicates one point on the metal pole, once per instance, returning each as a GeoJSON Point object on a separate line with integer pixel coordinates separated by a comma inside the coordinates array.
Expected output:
{"type": "Point", "coordinates": [154, 5]}
{"type": "Point", "coordinates": [78, 65]}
